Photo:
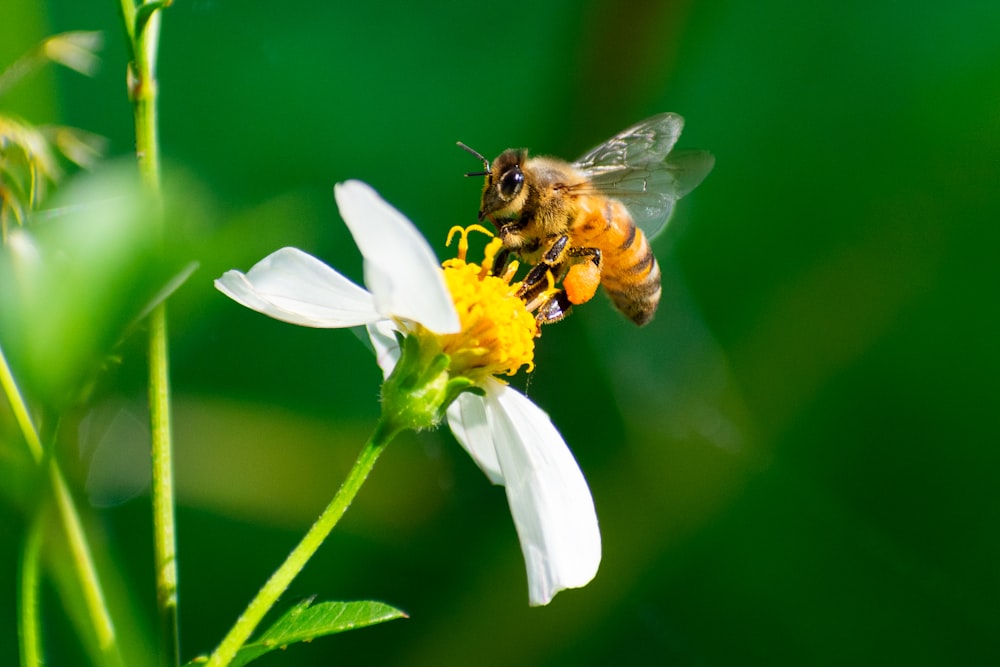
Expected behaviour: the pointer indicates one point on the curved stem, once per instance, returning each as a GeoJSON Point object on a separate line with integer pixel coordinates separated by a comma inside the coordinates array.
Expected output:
{"type": "Point", "coordinates": [69, 518]}
{"type": "Point", "coordinates": [83, 562]}
{"type": "Point", "coordinates": [29, 629]}
{"type": "Point", "coordinates": [300, 555]}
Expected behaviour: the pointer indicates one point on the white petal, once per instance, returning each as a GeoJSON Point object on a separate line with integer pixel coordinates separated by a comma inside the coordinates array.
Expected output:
{"type": "Point", "coordinates": [548, 496]}
{"type": "Point", "coordinates": [467, 419]}
{"type": "Point", "coordinates": [383, 338]}
{"type": "Point", "coordinates": [400, 268]}
{"type": "Point", "coordinates": [293, 286]}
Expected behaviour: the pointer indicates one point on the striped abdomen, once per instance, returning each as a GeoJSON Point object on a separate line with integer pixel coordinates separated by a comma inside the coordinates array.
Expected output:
{"type": "Point", "coordinates": [629, 271]}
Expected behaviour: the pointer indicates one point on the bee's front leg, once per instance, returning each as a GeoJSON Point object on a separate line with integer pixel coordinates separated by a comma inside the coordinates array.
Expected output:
{"type": "Point", "coordinates": [578, 284]}
{"type": "Point", "coordinates": [550, 263]}
{"type": "Point", "coordinates": [500, 262]}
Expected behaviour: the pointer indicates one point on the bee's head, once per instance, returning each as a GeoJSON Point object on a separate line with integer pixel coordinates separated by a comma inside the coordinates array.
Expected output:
{"type": "Point", "coordinates": [503, 191]}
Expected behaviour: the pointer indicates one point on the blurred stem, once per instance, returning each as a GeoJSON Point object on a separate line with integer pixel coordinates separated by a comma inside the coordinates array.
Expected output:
{"type": "Point", "coordinates": [300, 555]}
{"type": "Point", "coordinates": [142, 28]}
{"type": "Point", "coordinates": [29, 628]}
{"type": "Point", "coordinates": [83, 561]}
{"type": "Point", "coordinates": [20, 409]}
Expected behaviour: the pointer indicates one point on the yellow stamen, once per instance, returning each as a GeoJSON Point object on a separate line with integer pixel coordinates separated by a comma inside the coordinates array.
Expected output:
{"type": "Point", "coordinates": [463, 244]}
{"type": "Point", "coordinates": [498, 331]}
{"type": "Point", "coordinates": [512, 268]}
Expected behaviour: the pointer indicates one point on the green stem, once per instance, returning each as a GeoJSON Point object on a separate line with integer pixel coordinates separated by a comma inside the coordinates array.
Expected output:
{"type": "Point", "coordinates": [300, 555]}
{"type": "Point", "coordinates": [83, 561]}
{"type": "Point", "coordinates": [143, 93]}
{"type": "Point", "coordinates": [163, 488]}
{"type": "Point", "coordinates": [28, 627]}
{"type": "Point", "coordinates": [143, 41]}
{"type": "Point", "coordinates": [20, 410]}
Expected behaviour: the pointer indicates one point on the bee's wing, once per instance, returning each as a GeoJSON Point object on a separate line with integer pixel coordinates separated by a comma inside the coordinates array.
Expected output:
{"type": "Point", "coordinates": [649, 191]}
{"type": "Point", "coordinates": [636, 167]}
{"type": "Point", "coordinates": [647, 141]}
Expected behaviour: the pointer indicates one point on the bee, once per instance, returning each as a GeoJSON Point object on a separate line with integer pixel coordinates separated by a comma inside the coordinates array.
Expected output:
{"type": "Point", "coordinates": [588, 223]}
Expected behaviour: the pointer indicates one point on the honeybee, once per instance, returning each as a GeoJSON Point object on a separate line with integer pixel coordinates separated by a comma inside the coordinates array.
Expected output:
{"type": "Point", "coordinates": [589, 222]}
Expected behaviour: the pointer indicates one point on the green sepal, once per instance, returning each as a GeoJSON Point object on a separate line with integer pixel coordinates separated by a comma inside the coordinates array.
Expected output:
{"type": "Point", "coordinates": [457, 386]}
{"type": "Point", "coordinates": [413, 394]}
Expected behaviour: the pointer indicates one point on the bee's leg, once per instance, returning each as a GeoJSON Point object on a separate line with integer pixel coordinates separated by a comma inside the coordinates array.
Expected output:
{"type": "Point", "coordinates": [594, 254]}
{"type": "Point", "coordinates": [551, 262]}
{"type": "Point", "coordinates": [579, 281]}
{"type": "Point", "coordinates": [500, 262]}
{"type": "Point", "coordinates": [548, 304]}
{"type": "Point", "coordinates": [554, 309]}
{"type": "Point", "coordinates": [578, 286]}
{"type": "Point", "coordinates": [583, 278]}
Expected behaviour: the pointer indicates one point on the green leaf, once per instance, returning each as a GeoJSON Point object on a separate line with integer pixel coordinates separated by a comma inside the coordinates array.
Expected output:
{"type": "Point", "coordinates": [306, 621]}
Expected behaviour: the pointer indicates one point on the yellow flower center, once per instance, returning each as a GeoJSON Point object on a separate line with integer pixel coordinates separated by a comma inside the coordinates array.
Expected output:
{"type": "Point", "coordinates": [498, 331]}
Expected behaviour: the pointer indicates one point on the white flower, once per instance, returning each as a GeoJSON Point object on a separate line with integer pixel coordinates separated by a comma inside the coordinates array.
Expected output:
{"type": "Point", "coordinates": [403, 277]}
{"type": "Point", "coordinates": [509, 437]}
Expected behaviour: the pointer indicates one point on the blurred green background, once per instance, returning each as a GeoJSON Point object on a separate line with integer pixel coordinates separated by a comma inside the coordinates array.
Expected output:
{"type": "Point", "coordinates": [797, 462]}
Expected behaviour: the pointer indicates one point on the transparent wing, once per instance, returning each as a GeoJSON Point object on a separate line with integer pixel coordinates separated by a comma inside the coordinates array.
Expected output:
{"type": "Point", "coordinates": [636, 166]}
{"type": "Point", "coordinates": [649, 191]}
{"type": "Point", "coordinates": [648, 141]}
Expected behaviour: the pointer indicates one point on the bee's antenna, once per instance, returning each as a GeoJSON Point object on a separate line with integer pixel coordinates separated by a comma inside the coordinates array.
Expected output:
{"type": "Point", "coordinates": [486, 163]}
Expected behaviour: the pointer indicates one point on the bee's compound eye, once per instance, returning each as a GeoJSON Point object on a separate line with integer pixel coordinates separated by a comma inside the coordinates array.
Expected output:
{"type": "Point", "coordinates": [510, 182]}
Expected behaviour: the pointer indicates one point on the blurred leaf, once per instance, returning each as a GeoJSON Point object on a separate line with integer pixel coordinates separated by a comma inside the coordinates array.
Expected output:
{"type": "Point", "coordinates": [28, 163]}
{"type": "Point", "coordinates": [171, 286]}
{"type": "Point", "coordinates": [28, 152]}
{"type": "Point", "coordinates": [76, 50]}
{"type": "Point", "coordinates": [75, 279]}
{"type": "Point", "coordinates": [20, 476]}
{"type": "Point", "coordinates": [305, 622]}
{"type": "Point", "coordinates": [114, 437]}
{"type": "Point", "coordinates": [79, 146]}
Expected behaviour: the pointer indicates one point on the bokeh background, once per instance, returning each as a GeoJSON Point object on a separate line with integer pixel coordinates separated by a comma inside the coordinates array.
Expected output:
{"type": "Point", "coordinates": [797, 462]}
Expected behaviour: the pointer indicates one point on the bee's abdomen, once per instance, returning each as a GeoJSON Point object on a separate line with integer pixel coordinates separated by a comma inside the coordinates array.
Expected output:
{"type": "Point", "coordinates": [633, 282]}
{"type": "Point", "coordinates": [629, 273]}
